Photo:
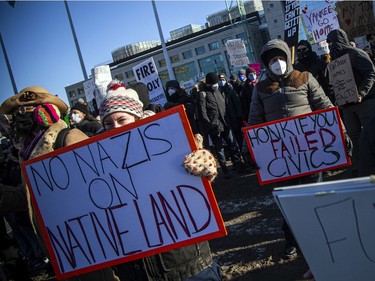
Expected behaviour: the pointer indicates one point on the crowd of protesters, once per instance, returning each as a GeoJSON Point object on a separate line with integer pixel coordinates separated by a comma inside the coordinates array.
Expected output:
{"type": "Point", "coordinates": [35, 122]}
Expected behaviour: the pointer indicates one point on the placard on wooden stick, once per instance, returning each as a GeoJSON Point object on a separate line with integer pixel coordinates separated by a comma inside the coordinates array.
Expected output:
{"type": "Point", "coordinates": [122, 195]}
{"type": "Point", "coordinates": [297, 146]}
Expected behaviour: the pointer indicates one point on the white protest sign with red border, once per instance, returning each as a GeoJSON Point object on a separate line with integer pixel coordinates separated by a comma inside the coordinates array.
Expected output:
{"type": "Point", "coordinates": [297, 146]}
{"type": "Point", "coordinates": [122, 195]}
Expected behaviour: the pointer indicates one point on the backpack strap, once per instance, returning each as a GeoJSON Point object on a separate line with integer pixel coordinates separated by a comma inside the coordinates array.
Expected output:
{"type": "Point", "coordinates": [60, 140]}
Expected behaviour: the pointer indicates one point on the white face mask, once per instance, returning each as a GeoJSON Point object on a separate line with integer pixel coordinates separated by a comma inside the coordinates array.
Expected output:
{"type": "Point", "coordinates": [171, 91]}
{"type": "Point", "coordinates": [278, 67]}
{"type": "Point", "coordinates": [215, 87]}
{"type": "Point", "coordinates": [76, 118]}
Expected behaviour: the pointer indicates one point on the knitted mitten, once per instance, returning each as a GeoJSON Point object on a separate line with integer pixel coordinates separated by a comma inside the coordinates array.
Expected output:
{"type": "Point", "coordinates": [201, 162]}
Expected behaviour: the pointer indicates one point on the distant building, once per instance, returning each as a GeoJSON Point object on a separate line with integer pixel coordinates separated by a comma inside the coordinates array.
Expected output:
{"type": "Point", "coordinates": [133, 49]}
{"type": "Point", "coordinates": [274, 13]}
{"type": "Point", "coordinates": [184, 31]}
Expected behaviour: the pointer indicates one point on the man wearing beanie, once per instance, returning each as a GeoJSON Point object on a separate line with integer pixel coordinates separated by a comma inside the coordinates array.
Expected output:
{"type": "Point", "coordinates": [194, 262]}
{"type": "Point", "coordinates": [213, 115]}
{"type": "Point", "coordinates": [285, 93]}
{"type": "Point", "coordinates": [36, 126]}
{"type": "Point", "coordinates": [81, 119]}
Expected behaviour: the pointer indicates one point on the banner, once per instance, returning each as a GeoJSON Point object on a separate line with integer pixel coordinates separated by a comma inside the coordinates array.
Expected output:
{"type": "Point", "coordinates": [356, 17]}
{"type": "Point", "coordinates": [333, 223]}
{"type": "Point", "coordinates": [237, 53]}
{"type": "Point", "coordinates": [319, 22]}
{"type": "Point", "coordinates": [342, 79]}
{"type": "Point", "coordinates": [102, 77]}
{"type": "Point", "coordinates": [297, 146]}
{"type": "Point", "coordinates": [291, 22]}
{"type": "Point", "coordinates": [122, 195]}
{"type": "Point", "coordinates": [147, 73]}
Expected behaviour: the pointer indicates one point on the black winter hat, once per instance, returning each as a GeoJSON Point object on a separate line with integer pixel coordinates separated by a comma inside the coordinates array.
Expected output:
{"type": "Point", "coordinates": [172, 84]}
{"type": "Point", "coordinates": [142, 92]}
{"type": "Point", "coordinates": [81, 107]}
{"type": "Point", "coordinates": [306, 44]}
{"type": "Point", "coordinates": [212, 78]}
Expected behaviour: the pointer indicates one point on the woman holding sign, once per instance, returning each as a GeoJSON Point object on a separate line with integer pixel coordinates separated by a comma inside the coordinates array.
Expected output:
{"type": "Point", "coordinates": [189, 263]}
{"type": "Point", "coordinates": [286, 92]}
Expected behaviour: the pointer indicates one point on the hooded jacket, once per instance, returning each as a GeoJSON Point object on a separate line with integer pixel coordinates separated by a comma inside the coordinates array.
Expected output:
{"type": "Point", "coordinates": [282, 96]}
{"type": "Point", "coordinates": [363, 68]}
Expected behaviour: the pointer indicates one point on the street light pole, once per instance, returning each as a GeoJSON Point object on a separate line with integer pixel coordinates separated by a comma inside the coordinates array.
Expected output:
{"type": "Point", "coordinates": [8, 66]}
{"type": "Point", "coordinates": [165, 52]}
{"type": "Point", "coordinates": [76, 42]}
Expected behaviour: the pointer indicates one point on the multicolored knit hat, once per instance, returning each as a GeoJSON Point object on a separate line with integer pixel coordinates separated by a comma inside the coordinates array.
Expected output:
{"type": "Point", "coordinates": [46, 114]}
{"type": "Point", "coordinates": [121, 100]}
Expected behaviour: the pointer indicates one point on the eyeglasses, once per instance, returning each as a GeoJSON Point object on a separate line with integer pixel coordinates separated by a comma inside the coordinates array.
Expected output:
{"type": "Point", "coordinates": [25, 109]}
{"type": "Point", "coordinates": [301, 50]}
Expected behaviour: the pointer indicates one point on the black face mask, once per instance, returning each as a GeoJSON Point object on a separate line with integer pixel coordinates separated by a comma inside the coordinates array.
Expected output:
{"type": "Point", "coordinates": [333, 51]}
{"type": "Point", "coordinates": [24, 123]}
{"type": "Point", "coordinates": [303, 56]}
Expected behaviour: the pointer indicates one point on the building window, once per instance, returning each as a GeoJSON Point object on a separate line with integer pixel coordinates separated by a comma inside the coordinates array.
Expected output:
{"type": "Point", "coordinates": [213, 63]}
{"type": "Point", "coordinates": [81, 91]}
{"type": "Point", "coordinates": [162, 63]}
{"type": "Point", "coordinates": [275, 21]}
{"type": "Point", "coordinates": [129, 74]}
{"type": "Point", "coordinates": [185, 72]}
{"type": "Point", "coordinates": [200, 50]}
{"type": "Point", "coordinates": [187, 55]}
{"type": "Point", "coordinates": [175, 58]}
{"type": "Point", "coordinates": [119, 77]}
{"type": "Point", "coordinates": [213, 46]}
{"type": "Point", "coordinates": [226, 39]}
{"type": "Point", "coordinates": [271, 5]}
{"type": "Point", "coordinates": [279, 36]}
{"type": "Point", "coordinates": [72, 93]}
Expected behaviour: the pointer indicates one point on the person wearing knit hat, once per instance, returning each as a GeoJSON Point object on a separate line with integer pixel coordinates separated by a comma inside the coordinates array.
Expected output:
{"type": "Point", "coordinates": [36, 118]}
{"type": "Point", "coordinates": [213, 111]}
{"type": "Point", "coordinates": [81, 119]}
{"type": "Point", "coordinates": [143, 94]}
{"type": "Point", "coordinates": [194, 262]}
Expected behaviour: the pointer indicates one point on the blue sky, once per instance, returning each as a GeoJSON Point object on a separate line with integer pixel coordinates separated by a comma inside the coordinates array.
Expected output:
{"type": "Point", "coordinates": [41, 48]}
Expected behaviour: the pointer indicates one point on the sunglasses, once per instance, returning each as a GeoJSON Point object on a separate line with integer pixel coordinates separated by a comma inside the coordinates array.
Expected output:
{"type": "Point", "coordinates": [302, 50]}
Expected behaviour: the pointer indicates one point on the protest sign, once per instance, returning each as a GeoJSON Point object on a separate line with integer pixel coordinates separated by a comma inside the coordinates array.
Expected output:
{"type": "Point", "coordinates": [188, 86]}
{"type": "Point", "coordinates": [342, 79]}
{"type": "Point", "coordinates": [320, 48]}
{"type": "Point", "coordinates": [237, 53]}
{"type": "Point", "coordinates": [291, 22]}
{"type": "Point", "coordinates": [89, 88]}
{"type": "Point", "coordinates": [319, 22]}
{"type": "Point", "coordinates": [147, 73]}
{"type": "Point", "coordinates": [333, 223]}
{"type": "Point", "coordinates": [356, 17]}
{"type": "Point", "coordinates": [102, 77]}
{"type": "Point", "coordinates": [297, 146]}
{"type": "Point", "coordinates": [122, 195]}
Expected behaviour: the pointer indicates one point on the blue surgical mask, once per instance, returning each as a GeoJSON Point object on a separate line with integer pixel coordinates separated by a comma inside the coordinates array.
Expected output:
{"type": "Point", "coordinates": [222, 83]}
{"type": "Point", "coordinates": [242, 78]}
{"type": "Point", "coordinates": [252, 76]}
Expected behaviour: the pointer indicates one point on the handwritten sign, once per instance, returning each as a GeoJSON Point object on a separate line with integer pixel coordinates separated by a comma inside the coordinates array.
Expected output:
{"type": "Point", "coordinates": [89, 88]}
{"type": "Point", "coordinates": [147, 73]}
{"type": "Point", "coordinates": [237, 52]}
{"type": "Point", "coordinates": [102, 77]}
{"type": "Point", "coordinates": [291, 22]}
{"type": "Point", "coordinates": [297, 146]}
{"type": "Point", "coordinates": [333, 223]}
{"type": "Point", "coordinates": [356, 17]}
{"type": "Point", "coordinates": [319, 22]}
{"type": "Point", "coordinates": [122, 195]}
{"type": "Point", "coordinates": [342, 78]}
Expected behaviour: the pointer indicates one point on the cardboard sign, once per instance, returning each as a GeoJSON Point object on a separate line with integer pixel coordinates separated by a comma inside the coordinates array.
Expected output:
{"type": "Point", "coordinates": [333, 223]}
{"type": "Point", "coordinates": [291, 22]}
{"type": "Point", "coordinates": [102, 77]}
{"type": "Point", "coordinates": [342, 78]}
{"type": "Point", "coordinates": [147, 73]}
{"type": "Point", "coordinates": [237, 53]}
{"type": "Point", "coordinates": [319, 22]}
{"type": "Point", "coordinates": [297, 146]}
{"type": "Point", "coordinates": [356, 17]}
{"type": "Point", "coordinates": [122, 195]}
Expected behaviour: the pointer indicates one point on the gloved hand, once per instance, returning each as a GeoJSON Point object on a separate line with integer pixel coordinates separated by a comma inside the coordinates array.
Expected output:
{"type": "Point", "coordinates": [201, 162]}
{"type": "Point", "coordinates": [348, 145]}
